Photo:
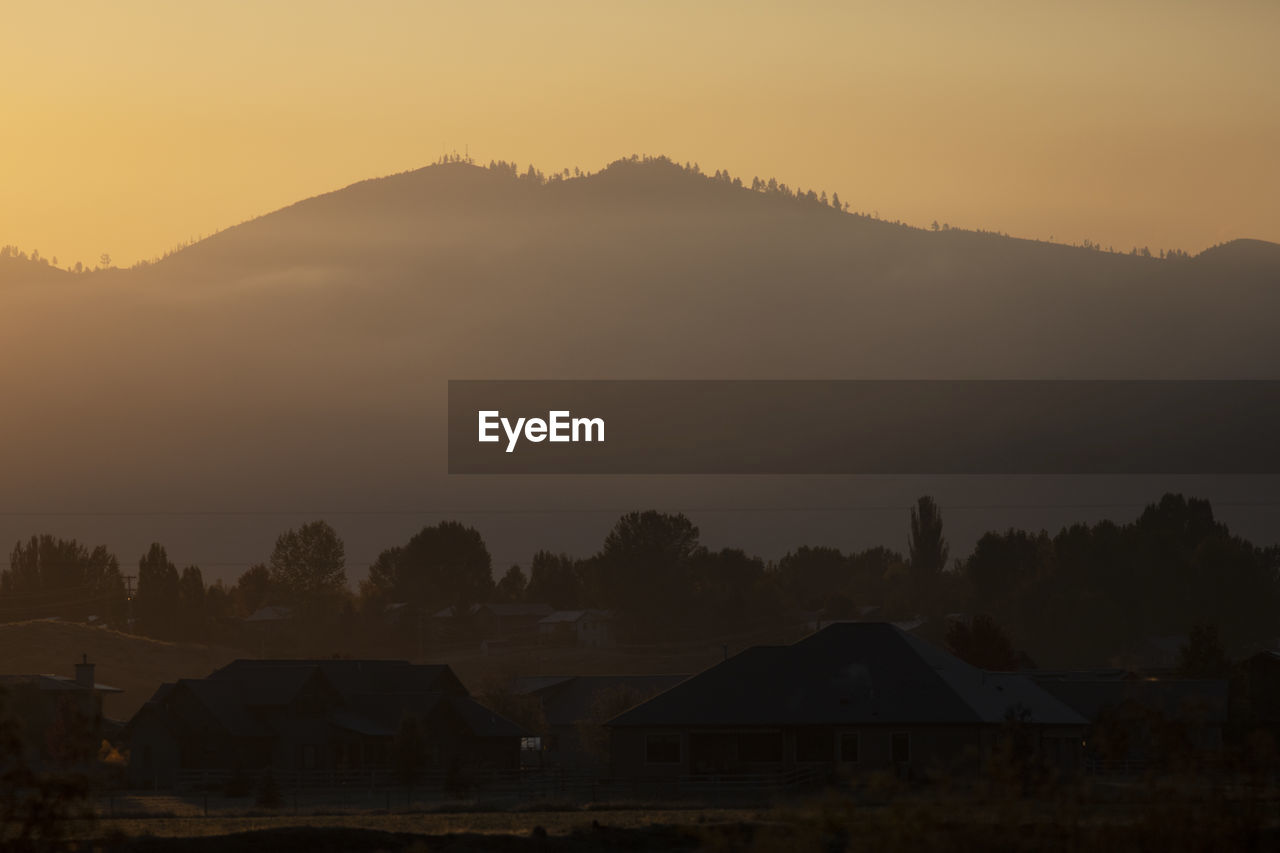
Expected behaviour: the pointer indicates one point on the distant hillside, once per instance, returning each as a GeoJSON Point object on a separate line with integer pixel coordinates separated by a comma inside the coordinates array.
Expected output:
{"type": "Point", "coordinates": [22, 270]}
{"type": "Point", "coordinates": [297, 363]}
{"type": "Point", "coordinates": [137, 665]}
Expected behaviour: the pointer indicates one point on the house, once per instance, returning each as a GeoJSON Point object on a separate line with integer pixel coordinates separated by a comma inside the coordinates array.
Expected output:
{"type": "Point", "coordinates": [62, 718]}
{"type": "Point", "coordinates": [491, 621]}
{"type": "Point", "coordinates": [848, 698]}
{"type": "Point", "coordinates": [591, 629]}
{"type": "Point", "coordinates": [574, 702]}
{"type": "Point", "coordinates": [268, 628]}
{"type": "Point", "coordinates": [1136, 720]}
{"type": "Point", "coordinates": [316, 717]}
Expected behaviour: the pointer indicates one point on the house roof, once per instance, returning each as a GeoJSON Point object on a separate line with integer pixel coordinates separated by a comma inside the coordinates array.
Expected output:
{"type": "Point", "coordinates": [271, 613]}
{"type": "Point", "coordinates": [224, 703]}
{"type": "Point", "coordinates": [567, 700]}
{"type": "Point", "coordinates": [500, 608]}
{"type": "Point", "coordinates": [850, 673]}
{"type": "Point", "coordinates": [56, 682]}
{"type": "Point", "coordinates": [368, 697]}
{"type": "Point", "coordinates": [348, 677]}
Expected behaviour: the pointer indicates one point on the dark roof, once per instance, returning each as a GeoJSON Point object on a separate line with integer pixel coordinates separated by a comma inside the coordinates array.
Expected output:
{"type": "Point", "coordinates": [271, 613]}
{"type": "Point", "coordinates": [851, 673]}
{"type": "Point", "coordinates": [348, 677]}
{"type": "Point", "coordinates": [567, 699]}
{"type": "Point", "coordinates": [224, 702]}
{"type": "Point", "coordinates": [500, 608]}
{"type": "Point", "coordinates": [369, 697]}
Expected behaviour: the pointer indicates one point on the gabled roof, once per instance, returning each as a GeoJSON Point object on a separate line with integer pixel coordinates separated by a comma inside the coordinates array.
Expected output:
{"type": "Point", "coordinates": [223, 702]}
{"type": "Point", "coordinates": [499, 608]}
{"type": "Point", "coordinates": [851, 673]}
{"type": "Point", "coordinates": [271, 613]}
{"type": "Point", "coordinates": [367, 697]}
{"type": "Point", "coordinates": [348, 677]}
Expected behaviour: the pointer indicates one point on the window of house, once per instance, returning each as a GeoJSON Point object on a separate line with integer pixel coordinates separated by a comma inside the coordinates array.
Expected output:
{"type": "Point", "coordinates": [531, 744]}
{"type": "Point", "coordinates": [760, 747]}
{"type": "Point", "coordinates": [849, 744]}
{"type": "Point", "coordinates": [815, 745]}
{"type": "Point", "coordinates": [662, 749]}
{"type": "Point", "coordinates": [901, 747]}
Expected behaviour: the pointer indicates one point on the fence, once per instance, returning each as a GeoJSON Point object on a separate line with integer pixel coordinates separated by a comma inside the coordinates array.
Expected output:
{"type": "Point", "coordinates": [385, 789]}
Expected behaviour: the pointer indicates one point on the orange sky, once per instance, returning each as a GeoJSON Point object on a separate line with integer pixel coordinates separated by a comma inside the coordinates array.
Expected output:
{"type": "Point", "coordinates": [129, 127]}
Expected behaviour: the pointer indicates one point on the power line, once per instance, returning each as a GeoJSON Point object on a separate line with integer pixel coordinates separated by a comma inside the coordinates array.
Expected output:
{"type": "Point", "coordinates": [595, 510]}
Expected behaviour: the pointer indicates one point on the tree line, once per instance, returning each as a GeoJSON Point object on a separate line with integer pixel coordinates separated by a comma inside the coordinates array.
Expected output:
{"type": "Point", "coordinates": [1081, 596]}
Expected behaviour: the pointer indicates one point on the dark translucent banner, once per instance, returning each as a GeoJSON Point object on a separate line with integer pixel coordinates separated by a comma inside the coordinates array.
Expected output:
{"type": "Point", "coordinates": [863, 427]}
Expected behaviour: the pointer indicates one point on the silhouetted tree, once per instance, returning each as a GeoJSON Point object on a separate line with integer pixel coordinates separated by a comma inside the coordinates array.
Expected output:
{"type": "Point", "coordinates": [1002, 566]}
{"type": "Point", "coordinates": [1202, 655]}
{"type": "Point", "coordinates": [732, 592]}
{"type": "Point", "coordinates": [811, 574]}
{"type": "Point", "coordinates": [512, 586]}
{"type": "Point", "coordinates": [254, 589]}
{"type": "Point", "coordinates": [309, 561]}
{"type": "Point", "coordinates": [48, 576]}
{"type": "Point", "coordinates": [643, 568]}
{"type": "Point", "coordinates": [38, 810]}
{"type": "Point", "coordinates": [442, 565]}
{"type": "Point", "coordinates": [156, 603]}
{"type": "Point", "coordinates": [555, 579]}
{"type": "Point", "coordinates": [982, 643]}
{"type": "Point", "coordinates": [191, 604]}
{"type": "Point", "coordinates": [927, 547]}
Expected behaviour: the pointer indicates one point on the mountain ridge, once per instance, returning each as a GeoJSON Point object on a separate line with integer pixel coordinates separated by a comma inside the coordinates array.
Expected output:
{"type": "Point", "coordinates": [300, 360]}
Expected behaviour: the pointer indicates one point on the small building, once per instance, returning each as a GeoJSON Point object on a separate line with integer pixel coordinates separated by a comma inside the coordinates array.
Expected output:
{"type": "Point", "coordinates": [491, 621]}
{"type": "Point", "coordinates": [848, 698]}
{"type": "Point", "coordinates": [316, 717]}
{"type": "Point", "coordinates": [268, 628]}
{"type": "Point", "coordinates": [574, 702]}
{"type": "Point", "coordinates": [590, 629]}
{"type": "Point", "coordinates": [62, 718]}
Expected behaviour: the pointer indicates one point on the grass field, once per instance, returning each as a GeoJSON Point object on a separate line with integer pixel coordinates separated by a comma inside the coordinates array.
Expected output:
{"type": "Point", "coordinates": [556, 822]}
{"type": "Point", "coordinates": [821, 824]}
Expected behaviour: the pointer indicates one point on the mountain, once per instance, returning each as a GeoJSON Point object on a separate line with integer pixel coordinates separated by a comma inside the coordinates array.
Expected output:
{"type": "Point", "coordinates": [295, 365]}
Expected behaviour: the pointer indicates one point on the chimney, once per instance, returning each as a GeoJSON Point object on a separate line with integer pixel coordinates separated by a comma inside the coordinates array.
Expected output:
{"type": "Point", "coordinates": [84, 673]}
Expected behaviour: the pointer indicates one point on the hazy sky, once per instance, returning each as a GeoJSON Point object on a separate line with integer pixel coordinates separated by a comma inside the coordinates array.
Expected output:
{"type": "Point", "coordinates": [131, 126]}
